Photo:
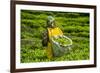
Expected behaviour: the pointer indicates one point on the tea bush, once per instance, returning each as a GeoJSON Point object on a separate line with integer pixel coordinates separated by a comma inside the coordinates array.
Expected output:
{"type": "Point", "coordinates": [74, 25]}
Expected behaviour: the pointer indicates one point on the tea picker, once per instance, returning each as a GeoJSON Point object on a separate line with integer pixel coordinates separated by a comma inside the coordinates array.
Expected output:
{"type": "Point", "coordinates": [53, 39]}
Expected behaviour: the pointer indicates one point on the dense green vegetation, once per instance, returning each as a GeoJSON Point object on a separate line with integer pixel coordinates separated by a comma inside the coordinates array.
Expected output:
{"type": "Point", "coordinates": [74, 25]}
{"type": "Point", "coordinates": [62, 41]}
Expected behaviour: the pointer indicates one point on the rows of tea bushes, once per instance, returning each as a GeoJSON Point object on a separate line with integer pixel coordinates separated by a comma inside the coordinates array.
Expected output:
{"type": "Point", "coordinates": [74, 25]}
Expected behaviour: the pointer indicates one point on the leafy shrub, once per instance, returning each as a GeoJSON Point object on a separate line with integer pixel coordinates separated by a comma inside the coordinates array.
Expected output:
{"type": "Point", "coordinates": [73, 25]}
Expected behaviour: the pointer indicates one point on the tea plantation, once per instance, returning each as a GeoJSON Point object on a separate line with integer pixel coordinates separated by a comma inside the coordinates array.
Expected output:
{"type": "Point", "coordinates": [74, 25]}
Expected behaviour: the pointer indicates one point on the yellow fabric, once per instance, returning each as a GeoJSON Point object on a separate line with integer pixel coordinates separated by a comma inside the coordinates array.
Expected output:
{"type": "Point", "coordinates": [52, 32]}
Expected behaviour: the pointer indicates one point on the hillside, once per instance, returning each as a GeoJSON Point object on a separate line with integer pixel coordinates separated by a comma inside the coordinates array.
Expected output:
{"type": "Point", "coordinates": [73, 25]}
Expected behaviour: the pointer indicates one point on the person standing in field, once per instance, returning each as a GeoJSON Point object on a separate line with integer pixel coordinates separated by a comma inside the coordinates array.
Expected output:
{"type": "Point", "coordinates": [52, 30]}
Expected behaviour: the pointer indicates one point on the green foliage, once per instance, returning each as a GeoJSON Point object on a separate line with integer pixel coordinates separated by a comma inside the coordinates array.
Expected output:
{"type": "Point", "coordinates": [61, 40]}
{"type": "Point", "coordinates": [74, 25]}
